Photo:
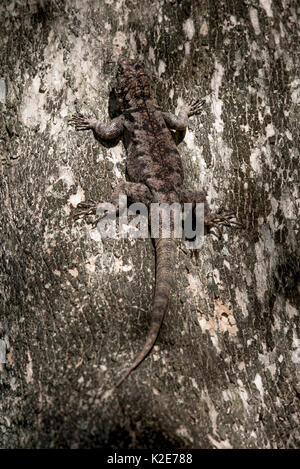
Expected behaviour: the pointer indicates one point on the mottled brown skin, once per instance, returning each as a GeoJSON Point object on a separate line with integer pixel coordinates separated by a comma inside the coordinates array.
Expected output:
{"type": "Point", "coordinates": [154, 170]}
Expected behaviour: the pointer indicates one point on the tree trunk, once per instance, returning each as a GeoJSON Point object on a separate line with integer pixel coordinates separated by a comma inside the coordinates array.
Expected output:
{"type": "Point", "coordinates": [75, 308]}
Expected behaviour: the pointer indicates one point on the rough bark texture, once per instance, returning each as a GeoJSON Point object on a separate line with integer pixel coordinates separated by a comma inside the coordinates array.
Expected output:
{"type": "Point", "coordinates": [75, 309]}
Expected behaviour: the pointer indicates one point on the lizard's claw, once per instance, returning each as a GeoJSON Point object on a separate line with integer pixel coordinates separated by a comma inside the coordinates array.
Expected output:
{"type": "Point", "coordinates": [87, 207]}
{"type": "Point", "coordinates": [80, 122]}
{"type": "Point", "coordinates": [216, 221]}
{"type": "Point", "coordinates": [195, 106]}
{"type": "Point", "coordinates": [228, 219]}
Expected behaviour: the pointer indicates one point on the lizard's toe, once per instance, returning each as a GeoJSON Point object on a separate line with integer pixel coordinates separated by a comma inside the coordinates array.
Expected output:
{"type": "Point", "coordinates": [87, 207]}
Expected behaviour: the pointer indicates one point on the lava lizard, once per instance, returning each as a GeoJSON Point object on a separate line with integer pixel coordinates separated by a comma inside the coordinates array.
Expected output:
{"type": "Point", "coordinates": [154, 171]}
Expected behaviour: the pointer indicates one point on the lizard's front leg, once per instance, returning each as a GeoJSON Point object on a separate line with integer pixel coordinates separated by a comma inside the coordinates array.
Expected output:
{"type": "Point", "coordinates": [105, 132]}
{"type": "Point", "coordinates": [180, 122]}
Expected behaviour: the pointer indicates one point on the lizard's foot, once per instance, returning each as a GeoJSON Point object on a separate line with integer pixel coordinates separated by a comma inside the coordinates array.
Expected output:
{"type": "Point", "coordinates": [195, 106]}
{"type": "Point", "coordinates": [217, 220]}
{"type": "Point", "coordinates": [87, 207]}
{"type": "Point", "coordinates": [80, 122]}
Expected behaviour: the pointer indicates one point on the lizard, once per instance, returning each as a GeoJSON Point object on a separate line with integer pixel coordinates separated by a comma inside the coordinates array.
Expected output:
{"type": "Point", "coordinates": [154, 172]}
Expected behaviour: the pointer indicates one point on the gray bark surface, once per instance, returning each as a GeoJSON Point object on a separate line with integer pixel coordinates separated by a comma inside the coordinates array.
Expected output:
{"type": "Point", "coordinates": [74, 309]}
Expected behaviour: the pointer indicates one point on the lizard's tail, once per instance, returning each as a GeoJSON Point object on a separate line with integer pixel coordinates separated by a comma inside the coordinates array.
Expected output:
{"type": "Point", "coordinates": [165, 259]}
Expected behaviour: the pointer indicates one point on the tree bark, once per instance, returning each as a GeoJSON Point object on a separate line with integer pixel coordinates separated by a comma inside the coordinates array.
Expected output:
{"type": "Point", "coordinates": [74, 308]}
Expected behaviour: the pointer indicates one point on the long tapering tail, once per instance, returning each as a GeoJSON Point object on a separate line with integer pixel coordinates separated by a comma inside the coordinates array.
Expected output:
{"type": "Point", "coordinates": [165, 260]}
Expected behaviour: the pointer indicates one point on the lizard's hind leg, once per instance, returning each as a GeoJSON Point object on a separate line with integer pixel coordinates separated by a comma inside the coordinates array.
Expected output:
{"type": "Point", "coordinates": [211, 219]}
{"type": "Point", "coordinates": [135, 192]}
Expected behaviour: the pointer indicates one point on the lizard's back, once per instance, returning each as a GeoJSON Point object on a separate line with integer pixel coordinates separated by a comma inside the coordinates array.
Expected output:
{"type": "Point", "coordinates": [152, 156]}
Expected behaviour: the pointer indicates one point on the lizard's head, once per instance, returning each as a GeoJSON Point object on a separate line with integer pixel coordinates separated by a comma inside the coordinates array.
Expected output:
{"type": "Point", "coordinates": [133, 84]}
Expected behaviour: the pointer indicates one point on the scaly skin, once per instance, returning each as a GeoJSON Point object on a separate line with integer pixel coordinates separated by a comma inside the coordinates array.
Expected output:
{"type": "Point", "coordinates": [154, 170]}
{"type": "Point", "coordinates": [165, 259]}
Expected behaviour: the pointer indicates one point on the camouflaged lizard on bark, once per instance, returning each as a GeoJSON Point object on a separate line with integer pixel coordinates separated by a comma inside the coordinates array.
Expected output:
{"type": "Point", "coordinates": [154, 171]}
